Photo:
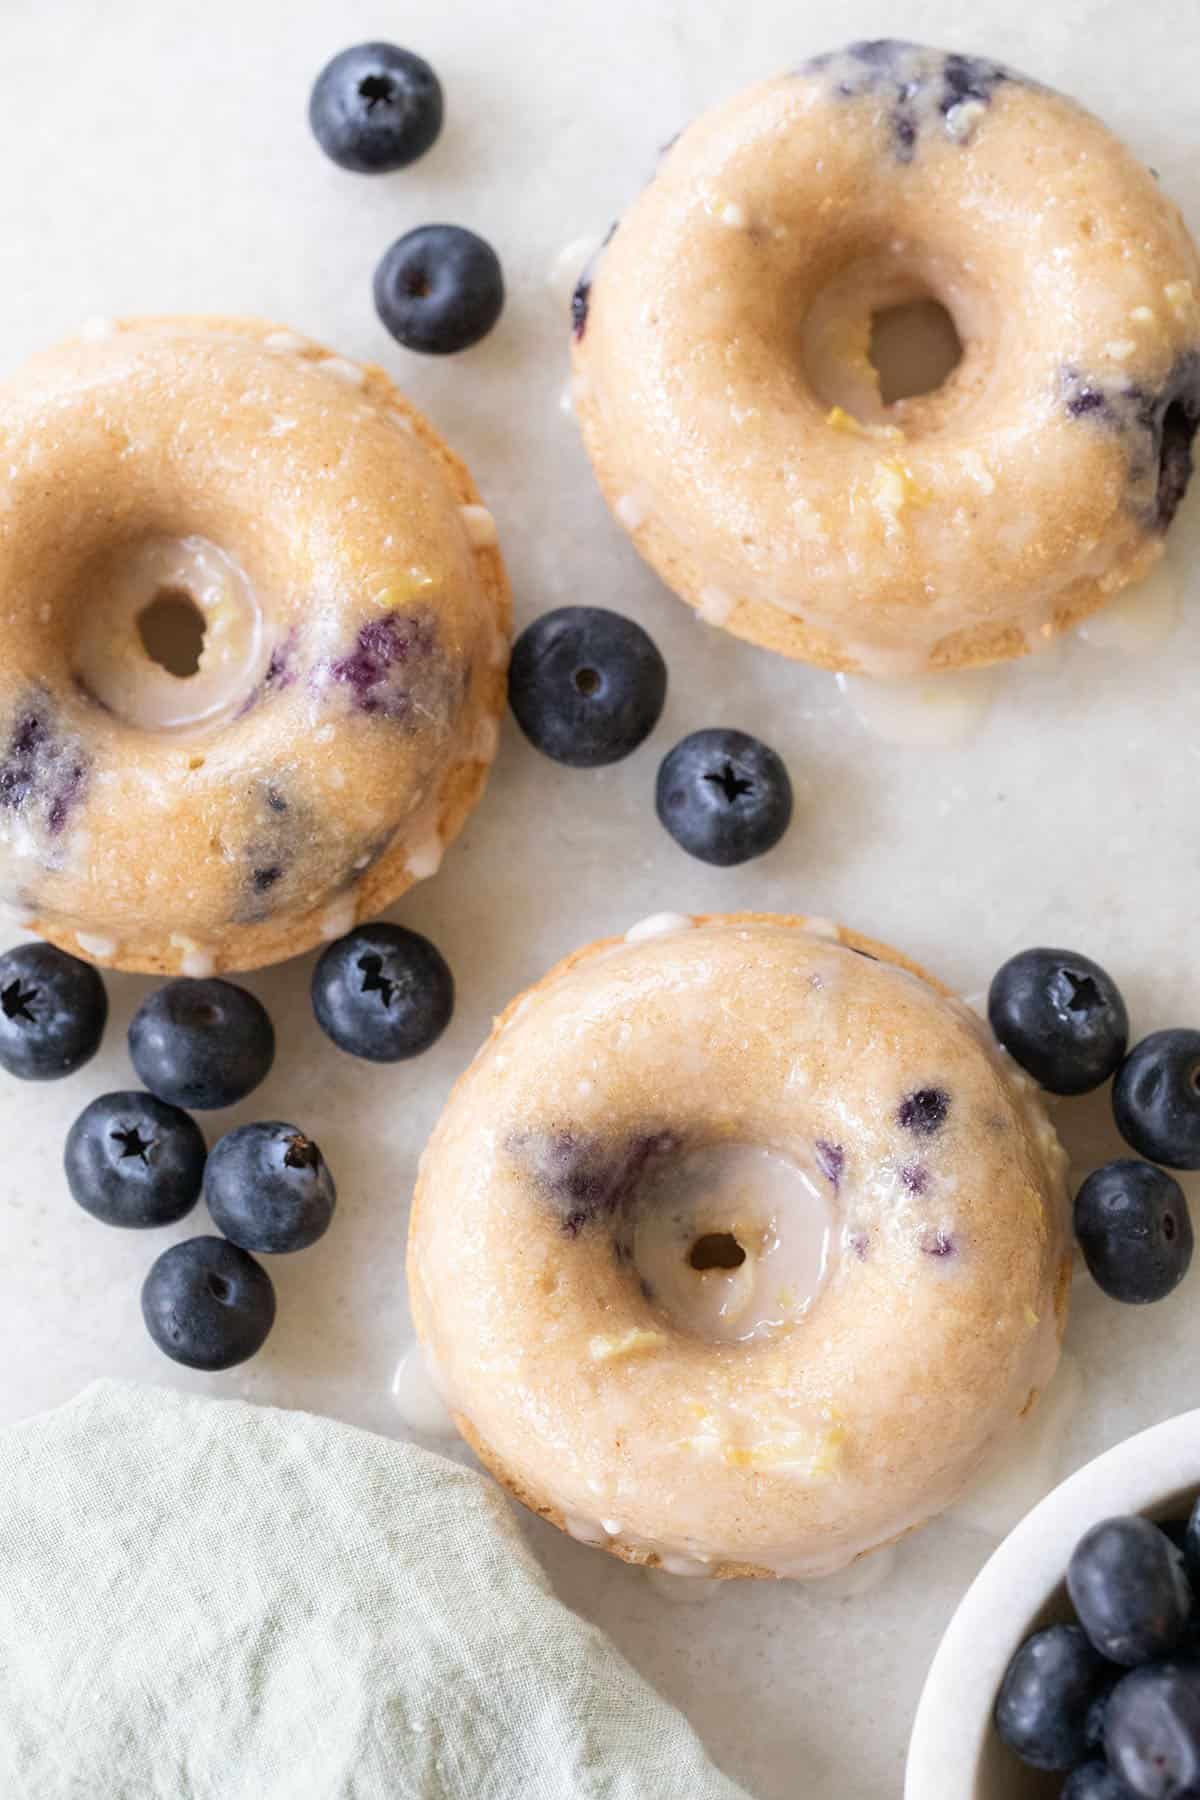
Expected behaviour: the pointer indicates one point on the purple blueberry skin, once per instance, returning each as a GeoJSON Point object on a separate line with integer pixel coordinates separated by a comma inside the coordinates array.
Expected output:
{"type": "Point", "coordinates": [586, 685]}
{"type": "Point", "coordinates": [1061, 1016]}
{"type": "Point", "coordinates": [1130, 1590]}
{"type": "Point", "coordinates": [383, 993]}
{"type": "Point", "coordinates": [208, 1304]}
{"type": "Point", "coordinates": [53, 1010]}
{"type": "Point", "coordinates": [269, 1189]}
{"type": "Point", "coordinates": [1135, 1231]}
{"type": "Point", "coordinates": [1095, 1781]}
{"type": "Point", "coordinates": [201, 1044]}
{"type": "Point", "coordinates": [375, 108]}
{"type": "Point", "coordinates": [1152, 1731]}
{"type": "Point", "coordinates": [133, 1161]}
{"type": "Point", "coordinates": [1156, 1098]}
{"type": "Point", "coordinates": [1042, 1707]}
{"type": "Point", "coordinates": [724, 796]}
{"type": "Point", "coordinates": [439, 289]}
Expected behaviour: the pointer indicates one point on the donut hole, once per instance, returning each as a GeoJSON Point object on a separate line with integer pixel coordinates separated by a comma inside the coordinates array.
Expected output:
{"type": "Point", "coordinates": [914, 348]}
{"type": "Point", "coordinates": [171, 629]}
{"type": "Point", "coordinates": [717, 1250]}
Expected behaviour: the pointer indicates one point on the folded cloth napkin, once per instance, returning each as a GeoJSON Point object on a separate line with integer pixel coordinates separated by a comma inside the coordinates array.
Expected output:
{"type": "Point", "coordinates": [203, 1600]}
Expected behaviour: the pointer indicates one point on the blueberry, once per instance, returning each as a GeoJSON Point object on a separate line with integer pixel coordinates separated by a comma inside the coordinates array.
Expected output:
{"type": "Point", "coordinates": [1128, 1585]}
{"type": "Point", "coordinates": [1061, 1017]}
{"type": "Point", "coordinates": [1191, 1545]}
{"type": "Point", "coordinates": [201, 1043]}
{"type": "Point", "coordinates": [1094, 1781]}
{"type": "Point", "coordinates": [724, 796]}
{"type": "Point", "coordinates": [375, 108]}
{"type": "Point", "coordinates": [439, 289]}
{"type": "Point", "coordinates": [923, 1112]}
{"type": "Point", "coordinates": [383, 993]}
{"type": "Point", "coordinates": [132, 1160]}
{"type": "Point", "coordinates": [1042, 1707]}
{"type": "Point", "coordinates": [586, 685]}
{"type": "Point", "coordinates": [1134, 1229]}
{"type": "Point", "coordinates": [1156, 1098]}
{"type": "Point", "coordinates": [1152, 1734]}
{"type": "Point", "coordinates": [208, 1304]}
{"type": "Point", "coordinates": [269, 1189]}
{"type": "Point", "coordinates": [53, 1010]}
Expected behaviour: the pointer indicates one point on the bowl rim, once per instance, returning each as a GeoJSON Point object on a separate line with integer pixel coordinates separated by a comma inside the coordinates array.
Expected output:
{"type": "Point", "coordinates": [1142, 1474]}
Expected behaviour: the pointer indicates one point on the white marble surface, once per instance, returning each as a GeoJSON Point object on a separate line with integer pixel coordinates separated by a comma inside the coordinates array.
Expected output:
{"type": "Point", "coordinates": [158, 160]}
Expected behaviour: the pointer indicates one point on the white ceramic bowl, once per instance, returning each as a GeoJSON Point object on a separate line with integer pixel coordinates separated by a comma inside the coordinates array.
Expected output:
{"type": "Point", "coordinates": [954, 1753]}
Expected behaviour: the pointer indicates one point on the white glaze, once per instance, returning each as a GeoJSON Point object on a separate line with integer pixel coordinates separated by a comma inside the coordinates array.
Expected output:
{"type": "Point", "coordinates": [562, 277]}
{"type": "Point", "coordinates": [353, 374]}
{"type": "Point", "coordinates": [632, 511]}
{"type": "Point", "coordinates": [778, 1213]}
{"type": "Point", "coordinates": [714, 606]}
{"type": "Point", "coordinates": [480, 527]}
{"type": "Point", "coordinates": [416, 1390]}
{"type": "Point", "coordinates": [197, 960]}
{"type": "Point", "coordinates": [340, 917]}
{"type": "Point", "coordinates": [930, 712]}
{"type": "Point", "coordinates": [93, 944]}
{"type": "Point", "coordinates": [113, 662]}
{"type": "Point", "coordinates": [1138, 620]}
{"type": "Point", "coordinates": [425, 858]}
{"type": "Point", "coordinates": [657, 925]}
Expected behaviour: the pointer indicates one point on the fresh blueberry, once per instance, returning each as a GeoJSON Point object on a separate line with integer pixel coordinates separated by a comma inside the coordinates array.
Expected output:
{"type": "Point", "coordinates": [586, 685]}
{"type": "Point", "coordinates": [375, 108]}
{"type": "Point", "coordinates": [1061, 1017]}
{"type": "Point", "coordinates": [1152, 1734]}
{"type": "Point", "coordinates": [724, 796]}
{"type": "Point", "coordinates": [269, 1189]}
{"type": "Point", "coordinates": [1097, 1712]}
{"type": "Point", "coordinates": [439, 289]}
{"type": "Point", "coordinates": [201, 1044]}
{"type": "Point", "coordinates": [1156, 1098]}
{"type": "Point", "coordinates": [1134, 1229]}
{"type": "Point", "coordinates": [1130, 1589]}
{"type": "Point", "coordinates": [133, 1160]}
{"type": "Point", "coordinates": [53, 1010]}
{"type": "Point", "coordinates": [383, 993]}
{"type": "Point", "coordinates": [208, 1304]}
{"type": "Point", "coordinates": [1191, 1545]}
{"type": "Point", "coordinates": [1042, 1707]}
{"type": "Point", "coordinates": [1095, 1781]}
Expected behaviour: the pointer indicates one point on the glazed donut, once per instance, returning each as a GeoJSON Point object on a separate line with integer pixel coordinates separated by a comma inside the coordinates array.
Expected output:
{"type": "Point", "coordinates": [735, 420]}
{"type": "Point", "coordinates": [355, 619]}
{"type": "Point", "coordinates": [739, 1245]}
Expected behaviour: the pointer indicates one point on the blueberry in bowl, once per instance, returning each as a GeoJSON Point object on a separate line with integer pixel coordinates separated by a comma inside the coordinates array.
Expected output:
{"type": "Point", "coordinates": [53, 1010]}
{"type": "Point", "coordinates": [202, 1044]}
{"type": "Point", "coordinates": [376, 107]}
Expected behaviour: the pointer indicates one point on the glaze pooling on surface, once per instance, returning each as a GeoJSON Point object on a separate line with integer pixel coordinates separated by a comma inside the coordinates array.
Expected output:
{"type": "Point", "coordinates": [352, 614]}
{"type": "Point", "coordinates": [891, 1183]}
{"type": "Point", "coordinates": [735, 418]}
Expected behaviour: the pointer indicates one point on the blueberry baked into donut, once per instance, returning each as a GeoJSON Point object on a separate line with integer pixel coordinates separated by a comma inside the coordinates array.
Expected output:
{"type": "Point", "coordinates": [739, 1245]}
{"type": "Point", "coordinates": [354, 612]}
{"type": "Point", "coordinates": [735, 419]}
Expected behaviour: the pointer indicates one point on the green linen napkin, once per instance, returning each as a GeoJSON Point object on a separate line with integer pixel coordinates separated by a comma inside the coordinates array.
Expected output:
{"type": "Point", "coordinates": [205, 1600]}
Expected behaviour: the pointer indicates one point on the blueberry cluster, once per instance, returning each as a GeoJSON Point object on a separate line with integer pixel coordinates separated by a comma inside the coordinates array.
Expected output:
{"type": "Point", "coordinates": [1115, 1697]}
{"type": "Point", "coordinates": [587, 686]}
{"type": "Point", "coordinates": [1062, 1017]}
{"type": "Point", "coordinates": [375, 108]}
{"type": "Point", "coordinates": [137, 1159]}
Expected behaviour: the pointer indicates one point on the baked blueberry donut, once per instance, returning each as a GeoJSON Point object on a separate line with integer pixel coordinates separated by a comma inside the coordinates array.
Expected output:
{"type": "Point", "coordinates": [354, 614]}
{"type": "Point", "coordinates": [739, 1245]}
{"type": "Point", "coordinates": [735, 419]}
